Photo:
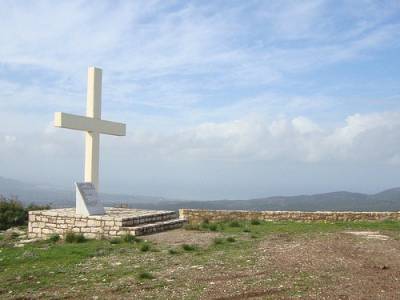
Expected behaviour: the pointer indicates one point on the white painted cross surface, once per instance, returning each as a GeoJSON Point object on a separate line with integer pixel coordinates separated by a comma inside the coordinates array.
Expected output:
{"type": "Point", "coordinates": [92, 124]}
{"type": "Point", "coordinates": [87, 200]}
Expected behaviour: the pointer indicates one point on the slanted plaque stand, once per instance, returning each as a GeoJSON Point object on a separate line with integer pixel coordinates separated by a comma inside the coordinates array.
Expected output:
{"type": "Point", "coordinates": [87, 200]}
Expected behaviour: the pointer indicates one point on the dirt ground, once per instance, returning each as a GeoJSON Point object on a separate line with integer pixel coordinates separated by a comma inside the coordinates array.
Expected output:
{"type": "Point", "coordinates": [340, 265]}
{"type": "Point", "coordinates": [330, 265]}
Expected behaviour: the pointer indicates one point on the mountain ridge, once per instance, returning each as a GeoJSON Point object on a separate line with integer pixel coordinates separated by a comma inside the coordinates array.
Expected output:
{"type": "Point", "coordinates": [387, 200]}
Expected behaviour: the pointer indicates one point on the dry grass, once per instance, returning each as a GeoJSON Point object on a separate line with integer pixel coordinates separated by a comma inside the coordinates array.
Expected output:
{"type": "Point", "coordinates": [299, 261]}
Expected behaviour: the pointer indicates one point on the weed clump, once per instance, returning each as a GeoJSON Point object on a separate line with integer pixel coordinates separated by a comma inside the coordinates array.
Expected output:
{"type": "Point", "coordinates": [234, 224]}
{"type": "Point", "coordinates": [72, 237]}
{"type": "Point", "coordinates": [173, 251]}
{"type": "Point", "coordinates": [54, 238]}
{"type": "Point", "coordinates": [115, 241]}
{"type": "Point", "coordinates": [188, 247]}
{"type": "Point", "coordinates": [218, 241]}
{"type": "Point", "coordinates": [80, 238]}
{"type": "Point", "coordinates": [213, 227]}
{"type": "Point", "coordinates": [145, 275]}
{"type": "Point", "coordinates": [145, 247]}
{"type": "Point", "coordinates": [231, 239]}
{"type": "Point", "coordinates": [255, 222]}
{"type": "Point", "coordinates": [129, 238]}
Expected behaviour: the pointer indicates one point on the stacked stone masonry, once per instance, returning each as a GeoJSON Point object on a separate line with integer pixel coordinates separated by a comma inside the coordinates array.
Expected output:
{"type": "Point", "coordinates": [196, 216]}
{"type": "Point", "coordinates": [116, 222]}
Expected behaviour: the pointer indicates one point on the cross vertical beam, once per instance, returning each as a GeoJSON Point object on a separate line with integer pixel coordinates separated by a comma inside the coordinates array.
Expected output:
{"type": "Point", "coordinates": [92, 139]}
{"type": "Point", "coordinates": [92, 124]}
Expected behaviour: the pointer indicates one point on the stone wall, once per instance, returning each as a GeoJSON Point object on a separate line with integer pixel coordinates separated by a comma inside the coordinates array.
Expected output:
{"type": "Point", "coordinates": [45, 223]}
{"type": "Point", "coordinates": [116, 222]}
{"type": "Point", "coordinates": [195, 216]}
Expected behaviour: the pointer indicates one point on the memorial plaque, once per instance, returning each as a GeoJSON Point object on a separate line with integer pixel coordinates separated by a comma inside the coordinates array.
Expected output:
{"type": "Point", "coordinates": [87, 200]}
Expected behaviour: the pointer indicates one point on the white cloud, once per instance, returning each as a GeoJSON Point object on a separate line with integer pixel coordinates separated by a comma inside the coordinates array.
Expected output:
{"type": "Point", "coordinates": [361, 138]}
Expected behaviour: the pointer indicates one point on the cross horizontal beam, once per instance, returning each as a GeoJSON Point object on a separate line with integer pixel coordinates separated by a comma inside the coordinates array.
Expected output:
{"type": "Point", "coordinates": [75, 122]}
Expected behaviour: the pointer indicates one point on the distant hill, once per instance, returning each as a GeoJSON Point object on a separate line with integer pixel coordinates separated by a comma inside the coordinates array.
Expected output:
{"type": "Point", "coordinates": [341, 201]}
{"type": "Point", "coordinates": [29, 193]}
{"type": "Point", "coordinates": [388, 200]}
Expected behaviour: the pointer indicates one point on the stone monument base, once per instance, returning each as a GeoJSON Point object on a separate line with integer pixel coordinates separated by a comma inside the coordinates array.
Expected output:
{"type": "Point", "coordinates": [116, 222]}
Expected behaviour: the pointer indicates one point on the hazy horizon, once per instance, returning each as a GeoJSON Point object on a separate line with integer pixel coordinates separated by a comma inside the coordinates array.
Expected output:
{"type": "Point", "coordinates": [228, 99]}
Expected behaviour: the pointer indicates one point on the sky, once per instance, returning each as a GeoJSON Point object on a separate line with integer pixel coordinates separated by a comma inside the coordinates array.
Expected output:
{"type": "Point", "coordinates": [222, 99]}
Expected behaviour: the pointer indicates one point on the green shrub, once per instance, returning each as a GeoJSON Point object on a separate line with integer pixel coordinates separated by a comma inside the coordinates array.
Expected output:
{"type": "Point", "coordinates": [54, 238]}
{"type": "Point", "coordinates": [145, 247]}
{"type": "Point", "coordinates": [115, 240]}
{"type": "Point", "coordinates": [204, 225]}
{"type": "Point", "coordinates": [218, 241]}
{"type": "Point", "coordinates": [72, 237]}
{"type": "Point", "coordinates": [188, 247]}
{"type": "Point", "coordinates": [246, 229]}
{"type": "Point", "coordinates": [80, 238]}
{"type": "Point", "coordinates": [33, 206]}
{"type": "Point", "coordinates": [234, 224]}
{"type": "Point", "coordinates": [231, 239]}
{"type": "Point", "coordinates": [145, 275]}
{"type": "Point", "coordinates": [129, 238]}
{"type": "Point", "coordinates": [173, 251]}
{"type": "Point", "coordinates": [213, 227]}
{"type": "Point", "coordinates": [255, 222]}
{"type": "Point", "coordinates": [13, 213]}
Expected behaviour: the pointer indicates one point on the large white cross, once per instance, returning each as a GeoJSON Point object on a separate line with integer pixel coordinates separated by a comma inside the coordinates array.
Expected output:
{"type": "Point", "coordinates": [92, 124]}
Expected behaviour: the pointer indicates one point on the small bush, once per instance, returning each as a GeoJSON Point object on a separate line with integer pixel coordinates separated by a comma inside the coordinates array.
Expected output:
{"type": "Point", "coordinates": [13, 213]}
{"type": "Point", "coordinates": [173, 251]}
{"type": "Point", "coordinates": [234, 224]}
{"type": "Point", "coordinates": [206, 221]}
{"type": "Point", "coordinates": [129, 238]}
{"type": "Point", "coordinates": [188, 247]}
{"type": "Point", "coordinates": [115, 240]}
{"type": "Point", "coordinates": [33, 206]}
{"type": "Point", "coordinates": [231, 239]}
{"type": "Point", "coordinates": [72, 237]}
{"type": "Point", "coordinates": [145, 247]}
{"type": "Point", "coordinates": [204, 225]}
{"type": "Point", "coordinates": [255, 222]}
{"type": "Point", "coordinates": [246, 229]}
{"type": "Point", "coordinates": [213, 227]}
{"type": "Point", "coordinates": [218, 241]}
{"type": "Point", "coordinates": [80, 238]}
{"type": "Point", "coordinates": [145, 275]}
{"type": "Point", "coordinates": [54, 238]}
